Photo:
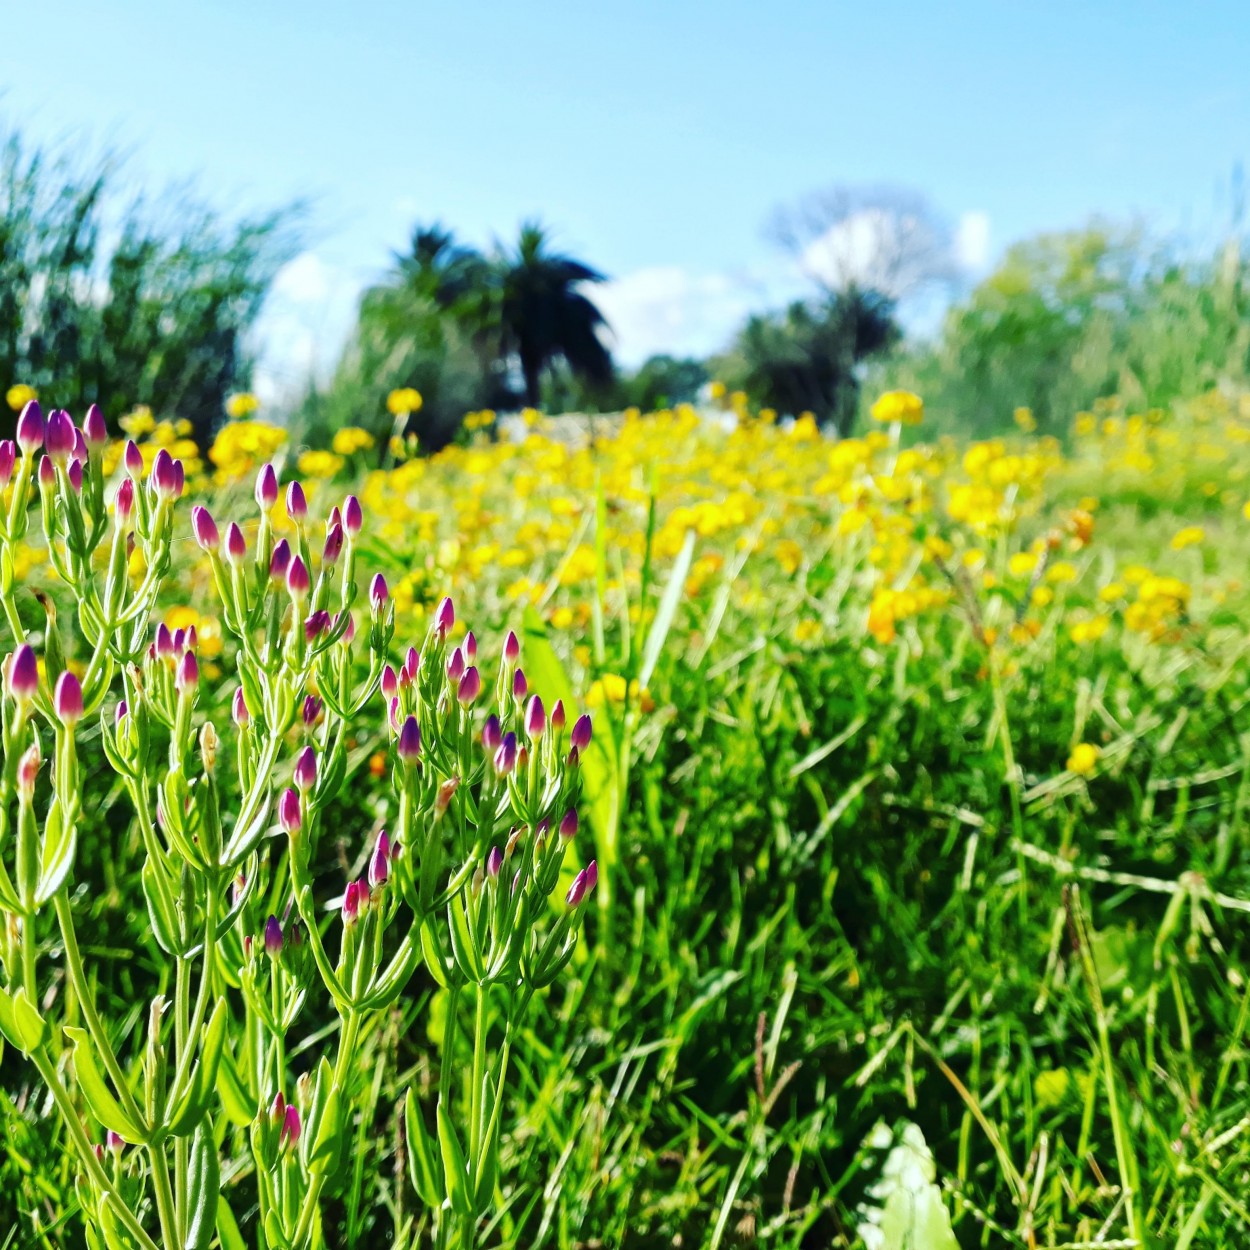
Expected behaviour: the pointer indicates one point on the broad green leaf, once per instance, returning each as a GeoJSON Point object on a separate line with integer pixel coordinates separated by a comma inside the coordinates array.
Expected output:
{"type": "Point", "coordinates": [20, 1022]}
{"type": "Point", "coordinates": [455, 1169]}
{"type": "Point", "coordinates": [96, 1093]}
{"type": "Point", "coordinates": [423, 1164]}
{"type": "Point", "coordinates": [203, 1191]}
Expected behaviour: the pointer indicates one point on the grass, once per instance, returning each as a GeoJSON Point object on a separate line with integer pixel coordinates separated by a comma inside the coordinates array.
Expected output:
{"type": "Point", "coordinates": [860, 910]}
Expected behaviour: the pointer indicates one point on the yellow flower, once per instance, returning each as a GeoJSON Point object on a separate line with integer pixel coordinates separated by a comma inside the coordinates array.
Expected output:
{"type": "Point", "coordinates": [403, 401]}
{"type": "Point", "coordinates": [1025, 419]}
{"type": "Point", "coordinates": [241, 405]}
{"type": "Point", "coordinates": [1190, 536]}
{"type": "Point", "coordinates": [19, 396]}
{"type": "Point", "coordinates": [351, 439]}
{"type": "Point", "coordinates": [320, 464]}
{"type": "Point", "coordinates": [717, 391]}
{"type": "Point", "coordinates": [898, 406]}
{"type": "Point", "coordinates": [1084, 759]}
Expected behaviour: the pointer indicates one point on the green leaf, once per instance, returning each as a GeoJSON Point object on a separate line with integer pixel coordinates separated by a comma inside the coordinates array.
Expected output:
{"type": "Point", "coordinates": [228, 1226]}
{"type": "Point", "coordinates": [96, 1093]}
{"type": "Point", "coordinates": [239, 1106]}
{"type": "Point", "coordinates": [203, 1191]}
{"type": "Point", "coordinates": [57, 859]}
{"type": "Point", "coordinates": [455, 1170]}
{"type": "Point", "coordinates": [20, 1022]}
{"type": "Point", "coordinates": [423, 1165]}
{"type": "Point", "coordinates": [328, 1144]}
{"type": "Point", "coordinates": [193, 1104]}
{"type": "Point", "coordinates": [667, 610]}
{"type": "Point", "coordinates": [164, 926]}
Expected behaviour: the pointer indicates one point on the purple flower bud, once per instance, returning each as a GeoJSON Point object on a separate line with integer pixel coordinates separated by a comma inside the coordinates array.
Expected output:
{"type": "Point", "coordinates": [187, 676]}
{"type": "Point", "coordinates": [334, 546]}
{"type": "Point", "coordinates": [316, 624]}
{"type": "Point", "coordinates": [30, 428]}
{"type": "Point", "coordinates": [306, 769]}
{"type": "Point", "coordinates": [204, 528]}
{"type": "Point", "coordinates": [592, 875]}
{"type": "Point", "coordinates": [179, 478]}
{"type": "Point", "coordinates": [349, 630]}
{"type": "Point", "coordinates": [125, 501]}
{"type": "Point", "coordinates": [568, 824]}
{"type": "Point", "coordinates": [378, 592]}
{"type": "Point", "coordinates": [93, 427]}
{"type": "Point", "coordinates": [74, 473]}
{"type": "Point", "coordinates": [289, 1135]}
{"type": "Point", "coordinates": [335, 518]}
{"type": "Point", "coordinates": [296, 503]}
{"type": "Point", "coordinates": [379, 863]}
{"type": "Point", "coordinates": [469, 647]}
{"type": "Point", "coordinates": [47, 472]}
{"type": "Point", "coordinates": [392, 712]}
{"type": "Point", "coordinates": [505, 756]}
{"type": "Point", "coordinates": [288, 810]}
{"type": "Point", "coordinates": [58, 437]}
{"type": "Point", "coordinates": [133, 459]}
{"type": "Point", "coordinates": [557, 716]}
{"type": "Point", "coordinates": [280, 561]}
{"type": "Point", "coordinates": [579, 739]}
{"type": "Point", "coordinates": [390, 683]}
{"type": "Point", "coordinates": [277, 1108]}
{"type": "Point", "coordinates": [492, 735]}
{"type": "Point", "coordinates": [164, 476]}
{"type": "Point", "coordinates": [455, 664]}
{"type": "Point", "coordinates": [412, 662]}
{"type": "Point", "coordinates": [67, 698]}
{"type": "Point", "coordinates": [355, 897]}
{"type": "Point", "coordinates": [578, 890]}
{"type": "Point", "coordinates": [470, 686]}
{"type": "Point", "coordinates": [8, 457]}
{"type": "Point", "coordinates": [353, 517]}
{"type": "Point", "coordinates": [23, 673]}
{"type": "Point", "coordinates": [445, 616]}
{"type": "Point", "coordinates": [112, 1139]}
{"type": "Point", "coordinates": [273, 936]}
{"type": "Point", "coordinates": [164, 642]}
{"type": "Point", "coordinates": [123, 710]}
{"type": "Point", "coordinates": [494, 863]}
{"type": "Point", "coordinates": [80, 451]}
{"type": "Point", "coordinates": [520, 687]}
{"type": "Point", "coordinates": [28, 771]}
{"type": "Point", "coordinates": [236, 544]}
{"type": "Point", "coordinates": [511, 649]}
{"type": "Point", "coordinates": [312, 709]}
{"type": "Point", "coordinates": [297, 579]}
{"type": "Point", "coordinates": [266, 491]}
{"type": "Point", "coordinates": [239, 709]}
{"type": "Point", "coordinates": [535, 718]}
{"type": "Point", "coordinates": [409, 745]}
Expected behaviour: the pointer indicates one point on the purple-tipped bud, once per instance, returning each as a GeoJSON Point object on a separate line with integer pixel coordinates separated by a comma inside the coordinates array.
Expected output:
{"type": "Point", "coordinates": [277, 1109]}
{"type": "Point", "coordinates": [112, 1139]}
{"type": "Point", "coordinates": [121, 712]}
{"type": "Point", "coordinates": [298, 582]}
{"type": "Point", "coordinates": [455, 664]}
{"type": "Point", "coordinates": [349, 629]}
{"type": "Point", "coordinates": [93, 428]}
{"type": "Point", "coordinates": [511, 648]}
{"type": "Point", "coordinates": [273, 936]}
{"type": "Point", "coordinates": [390, 683]}
{"type": "Point", "coordinates": [28, 771]}
{"type": "Point", "coordinates": [412, 662]}
{"type": "Point", "coordinates": [306, 769]}
{"type": "Point", "coordinates": [469, 647]}
{"type": "Point", "coordinates": [353, 516]}
{"type": "Point", "coordinates": [67, 698]}
{"type": "Point", "coordinates": [288, 810]}
{"type": "Point", "coordinates": [296, 503]}
{"type": "Point", "coordinates": [204, 528]}
{"type": "Point", "coordinates": [535, 718]}
{"type": "Point", "coordinates": [47, 473]}
{"type": "Point", "coordinates": [8, 457]}
{"type": "Point", "coordinates": [378, 592]}
{"type": "Point", "coordinates": [164, 642]}
{"type": "Point", "coordinates": [58, 436]}
{"type": "Point", "coordinates": [312, 709]}
{"type": "Point", "coordinates": [280, 561]}
{"type": "Point", "coordinates": [316, 624]}
{"type": "Point", "coordinates": [568, 824]}
{"type": "Point", "coordinates": [239, 709]}
{"type": "Point", "coordinates": [492, 735]}
{"type": "Point", "coordinates": [380, 863]}
{"type": "Point", "coordinates": [164, 477]}
{"type": "Point", "coordinates": [409, 745]}
{"type": "Point", "coordinates": [80, 451]}
{"type": "Point", "coordinates": [470, 686]}
{"type": "Point", "coordinates": [291, 1128]}
{"type": "Point", "coordinates": [520, 687]}
{"type": "Point", "coordinates": [355, 898]}
{"type": "Point", "coordinates": [266, 491]}
{"type": "Point", "coordinates": [187, 675]}
{"type": "Point", "coordinates": [74, 473]}
{"type": "Point", "coordinates": [445, 615]}
{"type": "Point", "coordinates": [180, 478]}
{"type": "Point", "coordinates": [592, 875]}
{"type": "Point", "coordinates": [578, 890]}
{"type": "Point", "coordinates": [557, 716]}
{"type": "Point", "coordinates": [23, 673]}
{"type": "Point", "coordinates": [579, 739]}
{"type": "Point", "coordinates": [236, 544]}
{"type": "Point", "coordinates": [133, 459]}
{"type": "Point", "coordinates": [505, 756]}
{"type": "Point", "coordinates": [494, 863]}
{"type": "Point", "coordinates": [30, 428]}
{"type": "Point", "coordinates": [334, 546]}
{"type": "Point", "coordinates": [125, 501]}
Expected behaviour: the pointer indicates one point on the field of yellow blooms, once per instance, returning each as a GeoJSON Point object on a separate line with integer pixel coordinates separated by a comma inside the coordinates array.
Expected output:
{"type": "Point", "coordinates": [920, 795]}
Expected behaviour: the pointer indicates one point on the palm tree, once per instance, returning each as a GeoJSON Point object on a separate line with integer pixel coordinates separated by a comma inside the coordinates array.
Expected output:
{"type": "Point", "coordinates": [543, 314]}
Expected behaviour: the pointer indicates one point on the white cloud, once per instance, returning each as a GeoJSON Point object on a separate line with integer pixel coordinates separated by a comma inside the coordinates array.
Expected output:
{"type": "Point", "coordinates": [972, 241]}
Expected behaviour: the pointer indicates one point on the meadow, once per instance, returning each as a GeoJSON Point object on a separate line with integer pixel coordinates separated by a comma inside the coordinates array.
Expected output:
{"type": "Point", "coordinates": [917, 799]}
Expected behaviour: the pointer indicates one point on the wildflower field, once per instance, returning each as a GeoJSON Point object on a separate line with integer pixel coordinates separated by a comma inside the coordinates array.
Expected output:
{"type": "Point", "coordinates": [672, 830]}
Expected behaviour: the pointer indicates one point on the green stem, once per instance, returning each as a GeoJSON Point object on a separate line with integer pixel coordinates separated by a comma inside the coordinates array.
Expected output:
{"type": "Point", "coordinates": [479, 1078]}
{"type": "Point", "coordinates": [164, 1196]}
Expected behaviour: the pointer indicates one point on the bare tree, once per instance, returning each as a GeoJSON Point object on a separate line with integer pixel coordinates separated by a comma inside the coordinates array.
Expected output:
{"type": "Point", "coordinates": [884, 238]}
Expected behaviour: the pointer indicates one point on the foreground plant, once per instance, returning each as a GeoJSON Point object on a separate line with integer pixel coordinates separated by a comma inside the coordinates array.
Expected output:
{"type": "Point", "coordinates": [481, 810]}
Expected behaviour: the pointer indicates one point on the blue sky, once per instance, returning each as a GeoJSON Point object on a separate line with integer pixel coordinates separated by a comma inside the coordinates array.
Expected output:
{"type": "Point", "coordinates": [654, 137]}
